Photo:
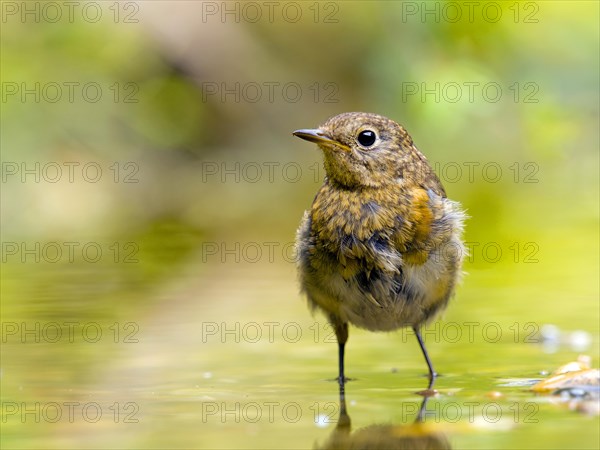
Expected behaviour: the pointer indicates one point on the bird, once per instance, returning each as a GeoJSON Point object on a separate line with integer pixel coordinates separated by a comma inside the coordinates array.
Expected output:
{"type": "Point", "coordinates": [381, 246]}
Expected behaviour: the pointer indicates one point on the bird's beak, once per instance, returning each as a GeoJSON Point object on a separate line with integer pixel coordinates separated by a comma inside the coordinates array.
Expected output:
{"type": "Point", "coordinates": [316, 136]}
{"type": "Point", "coordinates": [319, 137]}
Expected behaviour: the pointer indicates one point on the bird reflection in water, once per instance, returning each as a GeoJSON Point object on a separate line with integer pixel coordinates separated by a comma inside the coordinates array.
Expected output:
{"type": "Point", "coordinates": [415, 436]}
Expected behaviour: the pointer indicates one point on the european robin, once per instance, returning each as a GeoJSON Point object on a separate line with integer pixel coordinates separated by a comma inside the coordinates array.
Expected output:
{"type": "Point", "coordinates": [381, 247]}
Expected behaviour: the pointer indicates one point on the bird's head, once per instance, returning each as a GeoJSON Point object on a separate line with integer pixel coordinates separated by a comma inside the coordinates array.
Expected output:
{"type": "Point", "coordinates": [365, 150]}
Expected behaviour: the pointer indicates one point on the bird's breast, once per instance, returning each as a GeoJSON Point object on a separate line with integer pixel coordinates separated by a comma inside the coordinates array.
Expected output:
{"type": "Point", "coordinates": [376, 259]}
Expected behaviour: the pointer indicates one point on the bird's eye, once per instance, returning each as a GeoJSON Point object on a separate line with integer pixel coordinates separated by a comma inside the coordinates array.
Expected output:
{"type": "Point", "coordinates": [366, 138]}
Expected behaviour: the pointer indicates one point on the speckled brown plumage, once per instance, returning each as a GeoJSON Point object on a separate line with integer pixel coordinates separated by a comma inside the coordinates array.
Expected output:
{"type": "Point", "coordinates": [381, 246]}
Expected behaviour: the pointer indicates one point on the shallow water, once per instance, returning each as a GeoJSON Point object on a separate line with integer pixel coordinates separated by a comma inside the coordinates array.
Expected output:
{"type": "Point", "coordinates": [182, 335]}
{"type": "Point", "coordinates": [227, 356]}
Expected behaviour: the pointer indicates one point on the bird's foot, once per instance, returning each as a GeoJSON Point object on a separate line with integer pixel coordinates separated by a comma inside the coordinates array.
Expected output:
{"type": "Point", "coordinates": [342, 380]}
{"type": "Point", "coordinates": [428, 392]}
{"type": "Point", "coordinates": [432, 376]}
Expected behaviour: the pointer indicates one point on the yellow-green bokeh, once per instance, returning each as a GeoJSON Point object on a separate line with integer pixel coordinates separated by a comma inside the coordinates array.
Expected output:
{"type": "Point", "coordinates": [505, 108]}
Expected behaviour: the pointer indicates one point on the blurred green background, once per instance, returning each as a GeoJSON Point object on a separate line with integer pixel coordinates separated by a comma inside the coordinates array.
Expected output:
{"type": "Point", "coordinates": [151, 189]}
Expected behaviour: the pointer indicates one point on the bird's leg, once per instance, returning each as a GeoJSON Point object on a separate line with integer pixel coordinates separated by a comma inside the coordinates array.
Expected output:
{"type": "Point", "coordinates": [341, 331]}
{"type": "Point", "coordinates": [432, 373]}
